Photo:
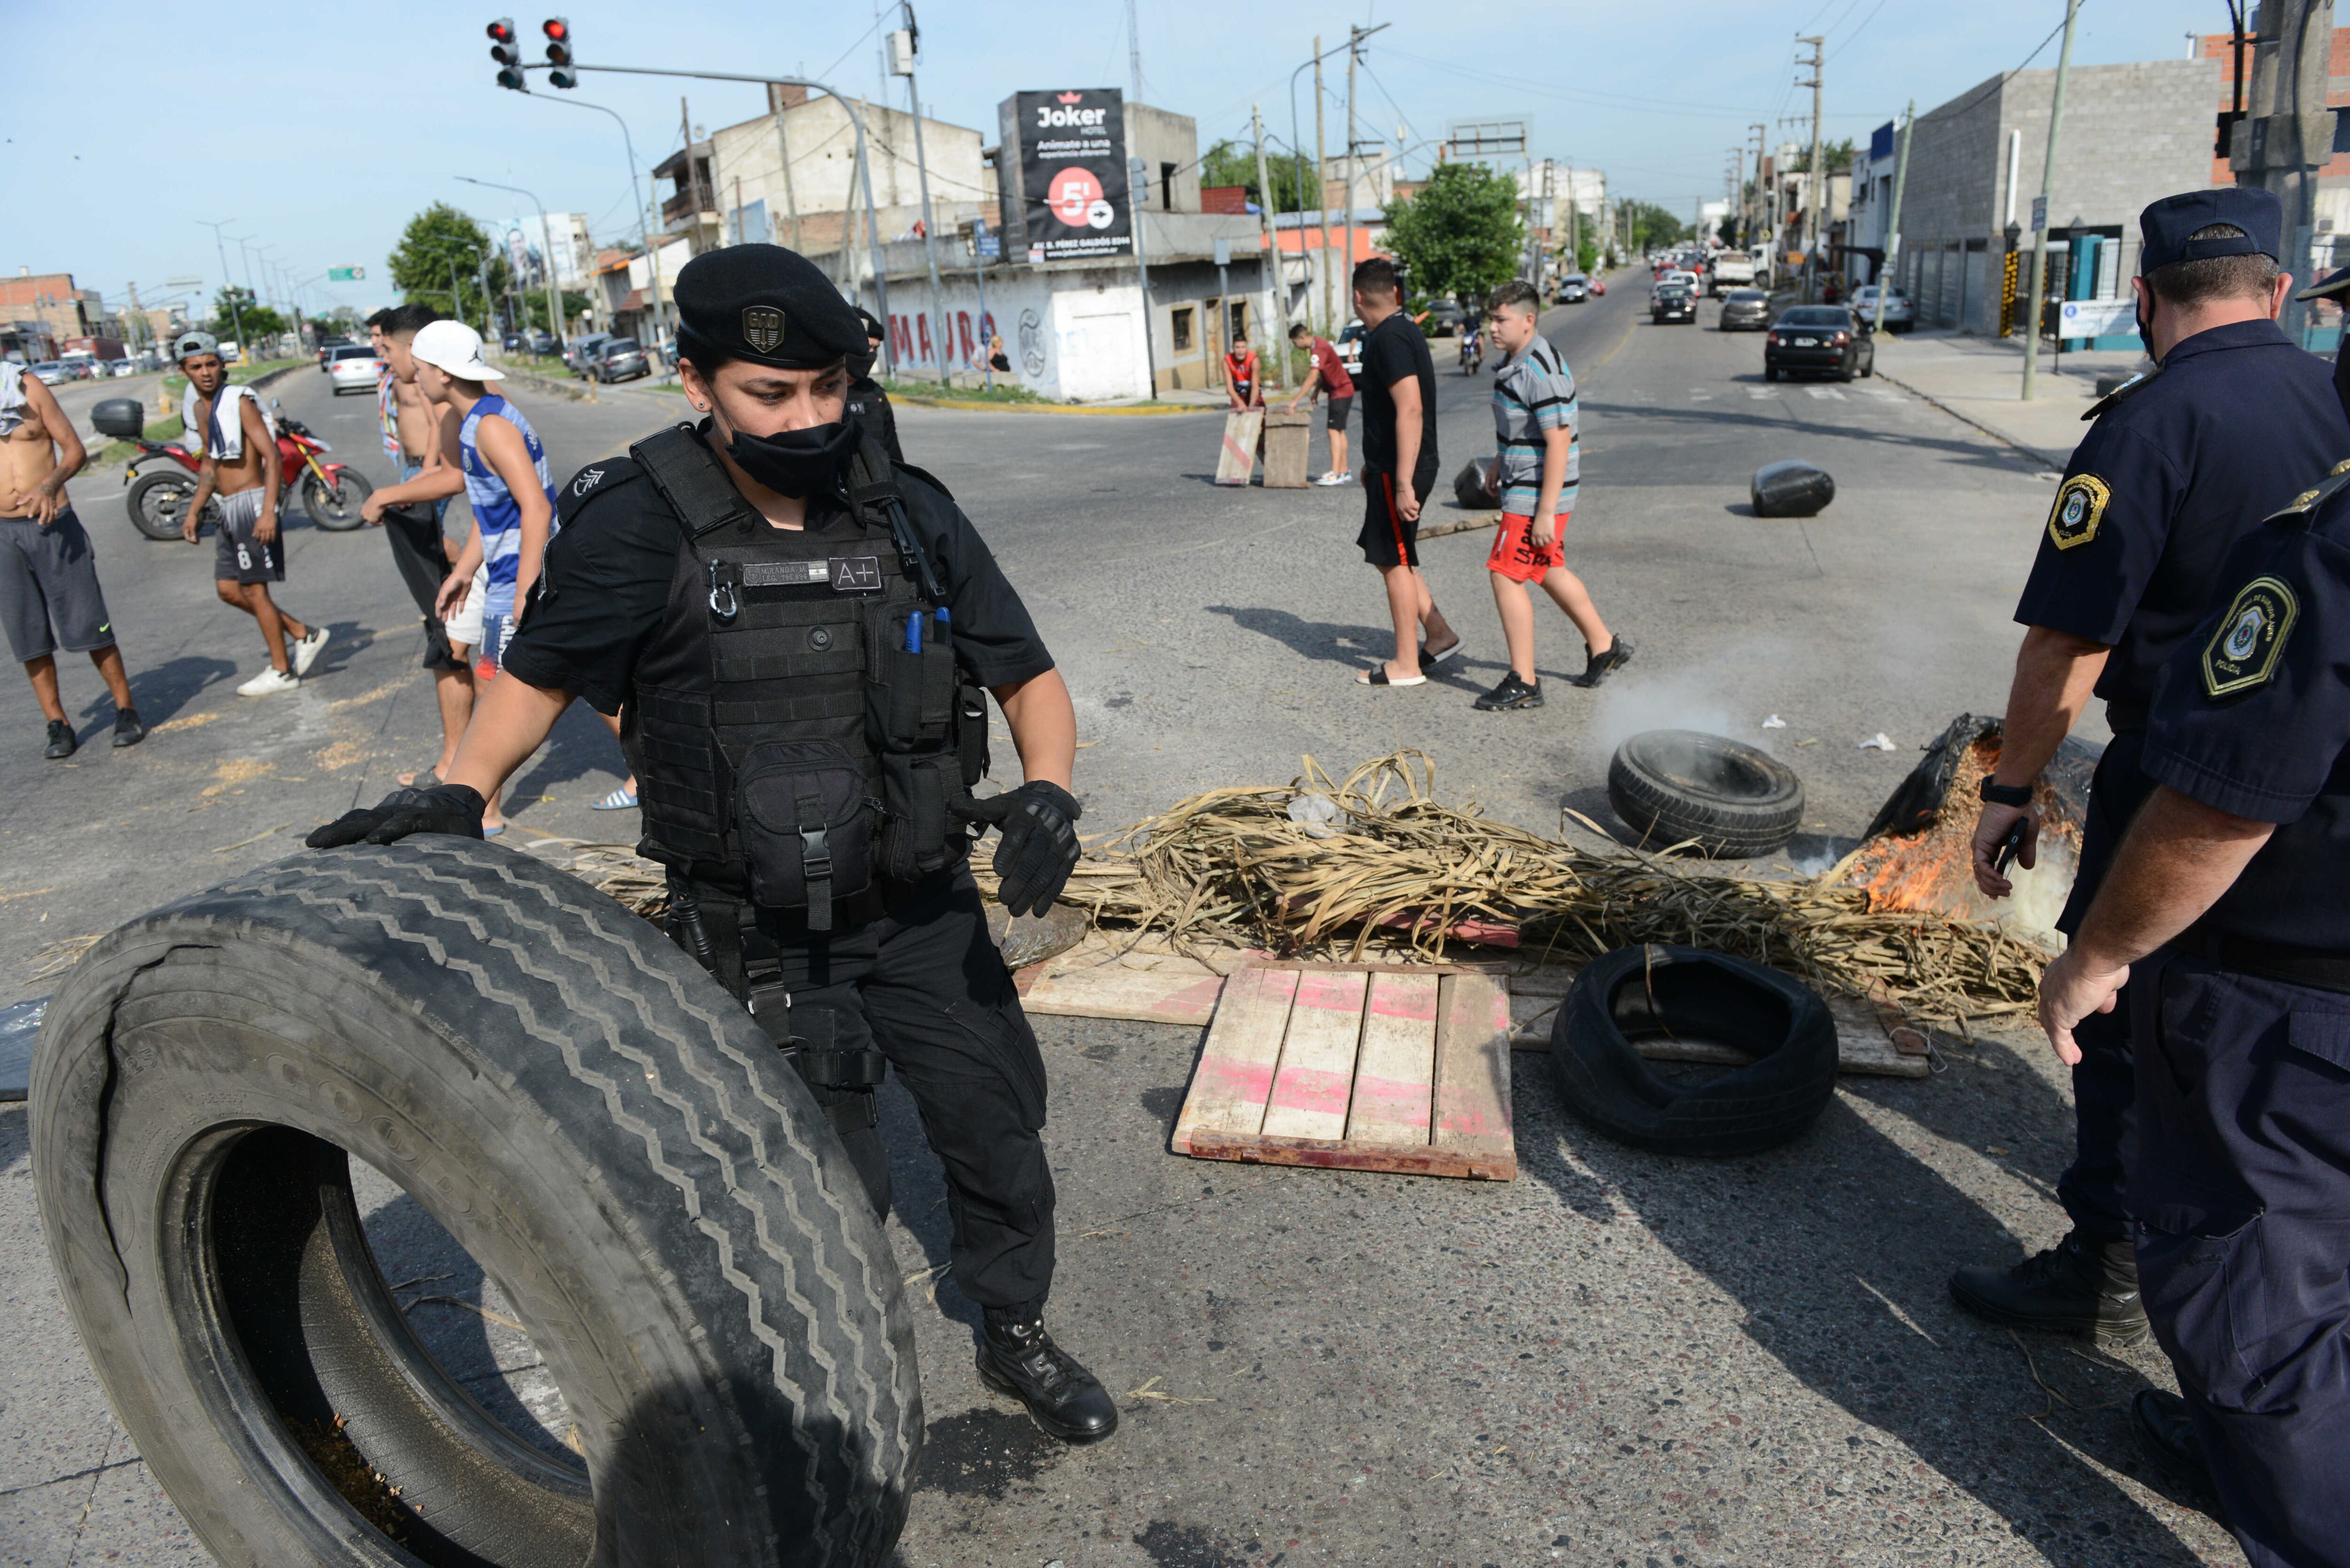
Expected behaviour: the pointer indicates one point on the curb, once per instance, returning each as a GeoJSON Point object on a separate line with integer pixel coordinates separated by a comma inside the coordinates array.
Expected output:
{"type": "Point", "coordinates": [1459, 525]}
{"type": "Point", "coordinates": [2041, 458]}
{"type": "Point", "coordinates": [581, 392]}
{"type": "Point", "coordinates": [1144, 411]}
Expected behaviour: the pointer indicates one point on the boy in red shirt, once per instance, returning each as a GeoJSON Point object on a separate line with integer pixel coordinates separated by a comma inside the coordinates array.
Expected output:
{"type": "Point", "coordinates": [1241, 379]}
{"type": "Point", "coordinates": [1328, 372]}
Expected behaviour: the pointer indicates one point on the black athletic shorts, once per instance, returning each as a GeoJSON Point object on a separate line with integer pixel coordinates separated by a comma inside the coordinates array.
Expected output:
{"type": "Point", "coordinates": [1386, 539]}
{"type": "Point", "coordinates": [1336, 418]}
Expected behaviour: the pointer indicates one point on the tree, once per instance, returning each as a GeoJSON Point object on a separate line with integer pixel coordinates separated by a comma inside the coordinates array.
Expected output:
{"type": "Point", "coordinates": [1648, 227]}
{"type": "Point", "coordinates": [1837, 155]}
{"type": "Point", "coordinates": [260, 321]}
{"type": "Point", "coordinates": [534, 308]}
{"type": "Point", "coordinates": [1230, 163]}
{"type": "Point", "coordinates": [1460, 235]}
{"type": "Point", "coordinates": [441, 259]}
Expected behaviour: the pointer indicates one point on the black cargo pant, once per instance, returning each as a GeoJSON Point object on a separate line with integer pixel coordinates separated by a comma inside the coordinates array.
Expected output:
{"type": "Point", "coordinates": [921, 979]}
{"type": "Point", "coordinates": [420, 553]}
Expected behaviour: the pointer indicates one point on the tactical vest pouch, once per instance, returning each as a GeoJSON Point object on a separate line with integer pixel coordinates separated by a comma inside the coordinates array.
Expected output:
{"type": "Point", "coordinates": [971, 733]}
{"type": "Point", "coordinates": [807, 833]}
{"type": "Point", "coordinates": [909, 692]}
{"type": "Point", "coordinates": [914, 827]}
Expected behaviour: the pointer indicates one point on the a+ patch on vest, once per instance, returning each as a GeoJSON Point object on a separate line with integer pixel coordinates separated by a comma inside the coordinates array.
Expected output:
{"type": "Point", "coordinates": [2080, 508]}
{"type": "Point", "coordinates": [762, 328]}
{"type": "Point", "coordinates": [2243, 653]}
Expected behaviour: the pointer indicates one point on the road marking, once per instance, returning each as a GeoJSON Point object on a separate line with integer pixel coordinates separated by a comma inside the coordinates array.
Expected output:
{"type": "Point", "coordinates": [1828, 392]}
{"type": "Point", "coordinates": [1761, 394]}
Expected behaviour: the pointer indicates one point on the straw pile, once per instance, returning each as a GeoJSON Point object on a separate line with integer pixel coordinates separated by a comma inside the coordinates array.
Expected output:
{"type": "Point", "coordinates": [1399, 865]}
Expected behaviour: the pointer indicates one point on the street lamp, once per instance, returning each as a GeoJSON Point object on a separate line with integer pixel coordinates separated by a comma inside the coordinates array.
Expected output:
{"type": "Point", "coordinates": [644, 229]}
{"type": "Point", "coordinates": [546, 239]}
{"type": "Point", "coordinates": [236, 317]}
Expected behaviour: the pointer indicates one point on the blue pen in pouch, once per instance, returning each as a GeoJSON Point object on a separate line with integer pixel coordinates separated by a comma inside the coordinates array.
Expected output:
{"type": "Point", "coordinates": [942, 623]}
{"type": "Point", "coordinates": [914, 632]}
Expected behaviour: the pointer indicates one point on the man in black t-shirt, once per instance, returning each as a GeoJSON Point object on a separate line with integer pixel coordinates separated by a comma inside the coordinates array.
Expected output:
{"type": "Point", "coordinates": [785, 621]}
{"type": "Point", "coordinates": [1399, 392]}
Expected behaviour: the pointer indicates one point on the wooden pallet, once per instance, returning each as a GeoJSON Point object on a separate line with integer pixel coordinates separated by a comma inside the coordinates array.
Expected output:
{"type": "Point", "coordinates": [1243, 433]}
{"type": "Point", "coordinates": [1359, 1067]}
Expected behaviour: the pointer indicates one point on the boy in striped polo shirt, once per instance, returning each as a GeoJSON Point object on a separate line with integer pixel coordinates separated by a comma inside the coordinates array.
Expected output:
{"type": "Point", "coordinates": [1534, 417]}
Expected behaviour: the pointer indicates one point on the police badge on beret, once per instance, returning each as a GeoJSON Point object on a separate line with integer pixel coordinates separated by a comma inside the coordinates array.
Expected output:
{"type": "Point", "coordinates": [762, 328]}
{"type": "Point", "coordinates": [2243, 653]}
{"type": "Point", "coordinates": [2080, 508]}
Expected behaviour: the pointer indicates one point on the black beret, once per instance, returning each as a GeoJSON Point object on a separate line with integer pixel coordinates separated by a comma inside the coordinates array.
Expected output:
{"type": "Point", "coordinates": [767, 304]}
{"type": "Point", "coordinates": [2163, 227]}
{"type": "Point", "coordinates": [873, 328]}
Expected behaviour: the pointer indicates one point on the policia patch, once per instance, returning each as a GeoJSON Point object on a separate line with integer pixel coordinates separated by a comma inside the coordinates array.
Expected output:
{"type": "Point", "coordinates": [2243, 653]}
{"type": "Point", "coordinates": [2080, 508]}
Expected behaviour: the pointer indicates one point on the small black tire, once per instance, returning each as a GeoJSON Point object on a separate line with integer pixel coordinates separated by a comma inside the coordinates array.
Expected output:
{"type": "Point", "coordinates": [1676, 786]}
{"type": "Point", "coordinates": [607, 1133]}
{"type": "Point", "coordinates": [1638, 993]}
{"type": "Point", "coordinates": [1769, 372]}
{"type": "Point", "coordinates": [336, 508]}
{"type": "Point", "coordinates": [158, 502]}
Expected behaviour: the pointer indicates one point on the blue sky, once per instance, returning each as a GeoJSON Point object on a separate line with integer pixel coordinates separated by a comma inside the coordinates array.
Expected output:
{"type": "Point", "coordinates": [320, 129]}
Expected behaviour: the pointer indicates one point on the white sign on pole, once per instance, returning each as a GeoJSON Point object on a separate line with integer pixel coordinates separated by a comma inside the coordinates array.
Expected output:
{"type": "Point", "coordinates": [2097, 317]}
{"type": "Point", "coordinates": [1223, 252]}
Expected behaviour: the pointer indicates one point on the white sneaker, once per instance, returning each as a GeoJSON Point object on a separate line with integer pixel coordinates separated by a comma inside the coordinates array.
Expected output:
{"type": "Point", "coordinates": [307, 650]}
{"type": "Point", "coordinates": [269, 682]}
{"type": "Point", "coordinates": [1330, 478]}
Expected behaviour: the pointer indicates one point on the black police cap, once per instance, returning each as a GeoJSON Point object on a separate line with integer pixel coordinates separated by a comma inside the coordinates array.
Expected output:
{"type": "Point", "coordinates": [2331, 286]}
{"type": "Point", "coordinates": [2163, 227]}
{"type": "Point", "coordinates": [764, 304]}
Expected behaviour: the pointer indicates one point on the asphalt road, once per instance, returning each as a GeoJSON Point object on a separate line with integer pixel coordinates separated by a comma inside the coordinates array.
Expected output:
{"type": "Point", "coordinates": [1617, 1358]}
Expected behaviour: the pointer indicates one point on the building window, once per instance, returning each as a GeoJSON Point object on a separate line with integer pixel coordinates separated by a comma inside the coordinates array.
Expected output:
{"type": "Point", "coordinates": [1179, 319]}
{"type": "Point", "coordinates": [1238, 329]}
{"type": "Point", "coordinates": [1166, 186]}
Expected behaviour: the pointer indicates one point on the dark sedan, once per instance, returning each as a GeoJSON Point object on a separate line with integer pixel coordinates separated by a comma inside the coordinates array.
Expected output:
{"type": "Point", "coordinates": [1821, 337]}
{"type": "Point", "coordinates": [1672, 301]}
{"type": "Point", "coordinates": [618, 360]}
{"type": "Point", "coordinates": [1746, 310]}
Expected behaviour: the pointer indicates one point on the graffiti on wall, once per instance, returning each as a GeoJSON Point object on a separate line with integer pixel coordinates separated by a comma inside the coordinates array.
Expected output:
{"type": "Point", "coordinates": [1032, 345]}
{"type": "Point", "coordinates": [962, 342]}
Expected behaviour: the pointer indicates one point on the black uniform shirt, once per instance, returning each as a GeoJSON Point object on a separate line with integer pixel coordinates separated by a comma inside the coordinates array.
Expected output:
{"type": "Point", "coordinates": [2238, 422]}
{"type": "Point", "coordinates": [2252, 717]}
{"type": "Point", "coordinates": [870, 404]}
{"type": "Point", "coordinates": [605, 584]}
{"type": "Point", "coordinates": [1393, 351]}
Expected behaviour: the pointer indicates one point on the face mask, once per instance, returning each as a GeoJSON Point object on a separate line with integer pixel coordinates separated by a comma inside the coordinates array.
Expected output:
{"type": "Point", "coordinates": [797, 463]}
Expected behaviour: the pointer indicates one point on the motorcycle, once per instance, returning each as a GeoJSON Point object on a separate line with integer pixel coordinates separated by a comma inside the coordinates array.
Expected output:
{"type": "Point", "coordinates": [1472, 351]}
{"type": "Point", "coordinates": [332, 492]}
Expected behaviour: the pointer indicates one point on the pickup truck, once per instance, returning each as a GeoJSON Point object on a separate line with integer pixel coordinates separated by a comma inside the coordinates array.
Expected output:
{"type": "Point", "coordinates": [1731, 269]}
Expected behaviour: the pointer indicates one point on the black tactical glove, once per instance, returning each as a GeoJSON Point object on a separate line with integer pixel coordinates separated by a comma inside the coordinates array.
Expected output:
{"type": "Point", "coordinates": [1038, 843]}
{"type": "Point", "coordinates": [444, 809]}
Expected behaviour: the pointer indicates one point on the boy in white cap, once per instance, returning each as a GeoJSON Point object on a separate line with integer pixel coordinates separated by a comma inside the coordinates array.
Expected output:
{"type": "Point", "coordinates": [508, 486]}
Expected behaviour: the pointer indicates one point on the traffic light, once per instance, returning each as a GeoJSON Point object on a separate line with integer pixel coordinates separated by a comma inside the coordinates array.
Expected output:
{"type": "Point", "coordinates": [558, 52]}
{"type": "Point", "coordinates": [507, 49]}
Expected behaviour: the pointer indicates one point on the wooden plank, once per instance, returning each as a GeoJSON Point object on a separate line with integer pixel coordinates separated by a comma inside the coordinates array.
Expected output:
{"type": "Point", "coordinates": [1395, 1069]}
{"type": "Point", "coordinates": [1181, 992]}
{"type": "Point", "coordinates": [1472, 1072]}
{"type": "Point", "coordinates": [1426, 1159]}
{"type": "Point", "coordinates": [1235, 1078]}
{"type": "Point", "coordinates": [1316, 1075]}
{"type": "Point", "coordinates": [1236, 459]}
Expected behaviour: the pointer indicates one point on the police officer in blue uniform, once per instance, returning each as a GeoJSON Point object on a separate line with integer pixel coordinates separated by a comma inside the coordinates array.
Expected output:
{"type": "Point", "coordinates": [2179, 464]}
{"type": "Point", "coordinates": [2238, 868]}
{"type": "Point", "coordinates": [2335, 286]}
{"type": "Point", "coordinates": [800, 635]}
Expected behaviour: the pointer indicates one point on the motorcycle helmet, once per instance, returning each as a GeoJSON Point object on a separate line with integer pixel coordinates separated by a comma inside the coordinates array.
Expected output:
{"type": "Point", "coordinates": [189, 343]}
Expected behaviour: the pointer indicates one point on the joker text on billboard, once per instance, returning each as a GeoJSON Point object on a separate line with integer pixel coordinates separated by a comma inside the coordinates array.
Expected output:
{"type": "Point", "coordinates": [1073, 175]}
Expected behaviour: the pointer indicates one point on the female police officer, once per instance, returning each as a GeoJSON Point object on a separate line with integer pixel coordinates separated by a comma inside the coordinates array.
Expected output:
{"type": "Point", "coordinates": [796, 631]}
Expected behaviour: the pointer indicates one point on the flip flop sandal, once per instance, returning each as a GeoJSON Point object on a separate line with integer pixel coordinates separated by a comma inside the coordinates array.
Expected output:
{"type": "Point", "coordinates": [618, 800]}
{"type": "Point", "coordinates": [1378, 675]}
{"type": "Point", "coordinates": [493, 832]}
{"type": "Point", "coordinates": [1429, 655]}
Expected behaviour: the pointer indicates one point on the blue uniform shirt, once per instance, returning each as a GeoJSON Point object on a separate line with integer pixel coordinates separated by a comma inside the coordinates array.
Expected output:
{"type": "Point", "coordinates": [2237, 422]}
{"type": "Point", "coordinates": [2252, 717]}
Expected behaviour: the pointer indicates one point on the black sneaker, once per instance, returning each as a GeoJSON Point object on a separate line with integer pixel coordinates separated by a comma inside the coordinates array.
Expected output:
{"type": "Point", "coordinates": [1020, 1359]}
{"type": "Point", "coordinates": [1510, 693]}
{"type": "Point", "coordinates": [61, 741]}
{"type": "Point", "coordinates": [127, 729]}
{"type": "Point", "coordinates": [1598, 667]}
{"type": "Point", "coordinates": [2078, 1286]}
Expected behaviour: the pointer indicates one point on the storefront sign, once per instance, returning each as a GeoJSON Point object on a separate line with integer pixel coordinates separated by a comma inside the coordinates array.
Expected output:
{"type": "Point", "coordinates": [1073, 175]}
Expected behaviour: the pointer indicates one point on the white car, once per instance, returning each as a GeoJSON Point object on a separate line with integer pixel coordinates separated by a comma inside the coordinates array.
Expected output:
{"type": "Point", "coordinates": [1690, 278]}
{"type": "Point", "coordinates": [353, 368]}
{"type": "Point", "coordinates": [1900, 316]}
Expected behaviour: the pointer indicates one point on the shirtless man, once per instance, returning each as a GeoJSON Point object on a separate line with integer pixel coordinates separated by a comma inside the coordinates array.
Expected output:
{"type": "Point", "coordinates": [240, 465]}
{"type": "Point", "coordinates": [49, 573]}
{"type": "Point", "coordinates": [409, 513]}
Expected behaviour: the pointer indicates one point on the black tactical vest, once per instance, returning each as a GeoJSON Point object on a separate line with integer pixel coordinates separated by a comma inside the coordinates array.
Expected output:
{"type": "Point", "coordinates": [798, 717]}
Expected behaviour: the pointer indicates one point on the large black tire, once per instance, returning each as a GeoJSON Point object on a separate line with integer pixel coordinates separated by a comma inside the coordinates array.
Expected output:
{"type": "Point", "coordinates": [1671, 787]}
{"type": "Point", "coordinates": [607, 1133]}
{"type": "Point", "coordinates": [1638, 992]}
{"type": "Point", "coordinates": [158, 502]}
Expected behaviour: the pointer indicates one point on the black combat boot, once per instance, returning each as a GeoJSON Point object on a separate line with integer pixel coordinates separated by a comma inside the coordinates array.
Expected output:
{"type": "Point", "coordinates": [2082, 1286]}
{"type": "Point", "coordinates": [1021, 1359]}
{"type": "Point", "coordinates": [2166, 1436]}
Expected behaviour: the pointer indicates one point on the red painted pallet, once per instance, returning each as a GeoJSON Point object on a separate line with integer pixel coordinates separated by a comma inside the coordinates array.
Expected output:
{"type": "Point", "coordinates": [1359, 1067]}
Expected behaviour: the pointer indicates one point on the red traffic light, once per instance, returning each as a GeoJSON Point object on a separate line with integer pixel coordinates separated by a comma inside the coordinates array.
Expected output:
{"type": "Point", "coordinates": [556, 28]}
{"type": "Point", "coordinates": [501, 30]}
{"type": "Point", "coordinates": [558, 52]}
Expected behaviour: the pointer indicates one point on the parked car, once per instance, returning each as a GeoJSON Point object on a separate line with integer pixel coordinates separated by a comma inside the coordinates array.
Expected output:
{"type": "Point", "coordinates": [1746, 310]}
{"type": "Point", "coordinates": [618, 360]}
{"type": "Point", "coordinates": [1901, 314]}
{"type": "Point", "coordinates": [1350, 345]}
{"type": "Point", "coordinates": [352, 367]}
{"type": "Point", "coordinates": [1672, 301]}
{"type": "Point", "coordinates": [48, 371]}
{"type": "Point", "coordinates": [1442, 320]}
{"type": "Point", "coordinates": [1821, 337]}
{"type": "Point", "coordinates": [123, 367]}
{"type": "Point", "coordinates": [543, 341]}
{"type": "Point", "coordinates": [577, 358]}
{"type": "Point", "coordinates": [1574, 288]}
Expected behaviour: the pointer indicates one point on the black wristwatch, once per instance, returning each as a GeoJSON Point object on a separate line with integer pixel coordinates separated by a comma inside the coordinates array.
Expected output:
{"type": "Point", "coordinates": [2004, 795]}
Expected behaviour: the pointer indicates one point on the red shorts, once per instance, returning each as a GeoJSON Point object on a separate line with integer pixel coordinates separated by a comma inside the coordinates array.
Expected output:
{"type": "Point", "coordinates": [1514, 554]}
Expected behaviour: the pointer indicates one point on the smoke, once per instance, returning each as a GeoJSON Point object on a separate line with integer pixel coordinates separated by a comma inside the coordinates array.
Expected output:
{"type": "Point", "coordinates": [1729, 698]}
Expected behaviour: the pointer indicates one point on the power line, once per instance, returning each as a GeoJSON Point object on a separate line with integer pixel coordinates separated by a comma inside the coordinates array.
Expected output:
{"type": "Point", "coordinates": [1857, 31]}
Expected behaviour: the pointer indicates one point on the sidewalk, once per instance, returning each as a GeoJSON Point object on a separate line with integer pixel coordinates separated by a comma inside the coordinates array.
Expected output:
{"type": "Point", "coordinates": [1980, 380]}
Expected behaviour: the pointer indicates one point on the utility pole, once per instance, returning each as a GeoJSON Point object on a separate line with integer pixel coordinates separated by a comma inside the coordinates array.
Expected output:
{"type": "Point", "coordinates": [1814, 178]}
{"type": "Point", "coordinates": [2288, 133]}
{"type": "Point", "coordinates": [1133, 52]}
{"type": "Point", "coordinates": [236, 317]}
{"type": "Point", "coordinates": [1134, 175]}
{"type": "Point", "coordinates": [1893, 219]}
{"type": "Point", "coordinates": [1277, 309]}
{"type": "Point", "coordinates": [1321, 198]}
{"type": "Point", "coordinates": [1354, 53]}
{"type": "Point", "coordinates": [775, 91]}
{"type": "Point", "coordinates": [903, 44]}
{"type": "Point", "coordinates": [1754, 206]}
{"type": "Point", "coordinates": [2040, 207]}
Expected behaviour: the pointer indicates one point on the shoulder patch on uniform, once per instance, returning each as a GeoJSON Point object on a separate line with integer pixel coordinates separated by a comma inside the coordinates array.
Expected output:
{"type": "Point", "coordinates": [2080, 508]}
{"type": "Point", "coordinates": [2122, 394]}
{"type": "Point", "coordinates": [2244, 649]}
{"type": "Point", "coordinates": [588, 480]}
